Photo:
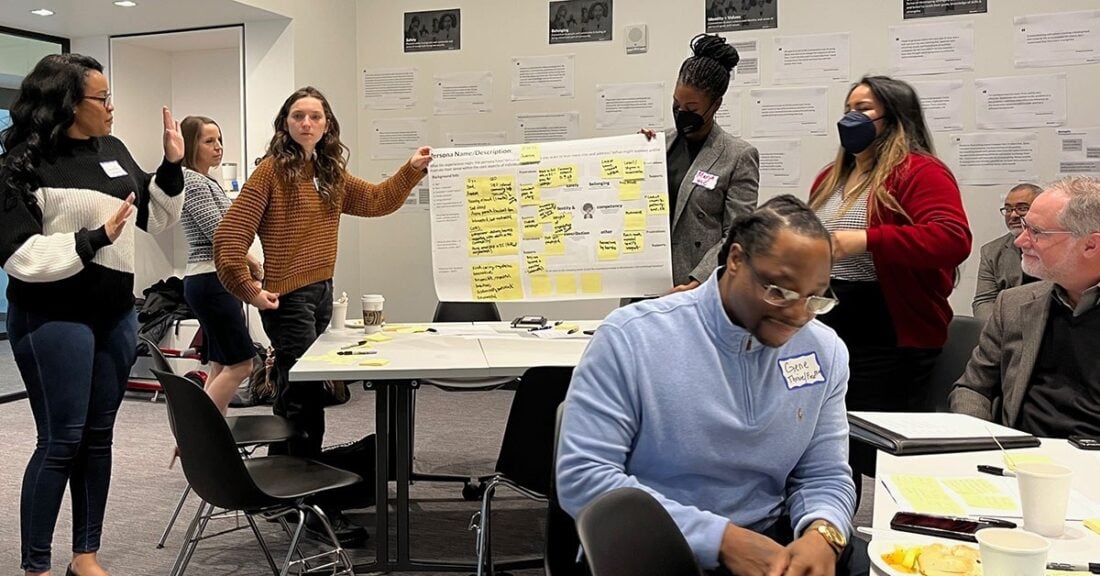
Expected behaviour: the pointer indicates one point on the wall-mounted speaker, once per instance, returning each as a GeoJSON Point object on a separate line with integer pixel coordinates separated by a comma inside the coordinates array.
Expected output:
{"type": "Point", "coordinates": [636, 38]}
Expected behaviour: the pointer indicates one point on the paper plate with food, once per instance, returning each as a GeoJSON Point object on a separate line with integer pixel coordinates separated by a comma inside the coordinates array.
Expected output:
{"type": "Point", "coordinates": [898, 558]}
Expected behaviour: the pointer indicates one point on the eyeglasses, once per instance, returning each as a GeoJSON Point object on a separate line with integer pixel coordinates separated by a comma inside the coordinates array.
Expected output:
{"type": "Point", "coordinates": [1020, 209]}
{"type": "Point", "coordinates": [1037, 234]}
{"type": "Point", "coordinates": [105, 100]}
{"type": "Point", "coordinates": [782, 298]}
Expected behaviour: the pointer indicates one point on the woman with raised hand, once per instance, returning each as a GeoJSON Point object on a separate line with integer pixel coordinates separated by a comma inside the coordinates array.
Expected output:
{"type": "Point", "coordinates": [293, 201]}
{"type": "Point", "coordinates": [225, 334]}
{"type": "Point", "coordinates": [72, 194]}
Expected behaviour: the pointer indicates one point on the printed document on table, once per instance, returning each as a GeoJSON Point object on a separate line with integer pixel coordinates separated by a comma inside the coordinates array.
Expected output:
{"type": "Point", "coordinates": [977, 495]}
{"type": "Point", "coordinates": [811, 58]}
{"type": "Point", "coordinates": [573, 220]}
{"type": "Point", "coordinates": [1020, 101]}
{"type": "Point", "coordinates": [1058, 39]}
{"type": "Point", "coordinates": [988, 158]}
{"type": "Point", "coordinates": [788, 111]}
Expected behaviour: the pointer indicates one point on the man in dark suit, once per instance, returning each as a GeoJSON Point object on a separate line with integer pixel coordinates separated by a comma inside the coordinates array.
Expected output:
{"type": "Point", "coordinates": [1037, 360]}
{"type": "Point", "coordinates": [1000, 259]}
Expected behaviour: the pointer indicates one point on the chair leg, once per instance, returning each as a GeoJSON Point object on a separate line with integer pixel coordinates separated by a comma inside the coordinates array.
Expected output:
{"type": "Point", "coordinates": [263, 544]}
{"type": "Point", "coordinates": [338, 551]}
{"type": "Point", "coordinates": [206, 510]}
{"type": "Point", "coordinates": [294, 543]}
{"type": "Point", "coordinates": [191, 527]}
{"type": "Point", "coordinates": [484, 542]}
{"type": "Point", "coordinates": [175, 514]}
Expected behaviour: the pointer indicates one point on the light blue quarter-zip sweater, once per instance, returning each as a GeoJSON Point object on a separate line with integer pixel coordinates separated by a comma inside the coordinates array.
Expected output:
{"type": "Point", "coordinates": [673, 398]}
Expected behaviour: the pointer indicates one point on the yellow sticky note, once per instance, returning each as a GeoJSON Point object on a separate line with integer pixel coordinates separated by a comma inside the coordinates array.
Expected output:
{"type": "Point", "coordinates": [529, 194]}
{"type": "Point", "coordinates": [495, 241]}
{"type": "Point", "coordinates": [927, 495]}
{"type": "Point", "coordinates": [377, 337]}
{"type": "Point", "coordinates": [554, 245]}
{"type": "Point", "coordinates": [404, 328]}
{"type": "Point", "coordinates": [540, 285]}
{"type": "Point", "coordinates": [534, 263]}
{"type": "Point", "coordinates": [634, 169]}
{"type": "Point", "coordinates": [532, 228]}
{"type": "Point", "coordinates": [611, 168]}
{"type": "Point", "coordinates": [630, 189]}
{"type": "Point", "coordinates": [547, 210]}
{"type": "Point", "coordinates": [607, 249]}
{"type": "Point", "coordinates": [634, 220]}
{"type": "Point", "coordinates": [591, 283]}
{"type": "Point", "coordinates": [374, 362]}
{"type": "Point", "coordinates": [657, 203]}
{"type": "Point", "coordinates": [565, 176]}
{"type": "Point", "coordinates": [563, 222]}
{"type": "Point", "coordinates": [566, 283]}
{"type": "Point", "coordinates": [497, 281]}
{"type": "Point", "coordinates": [1025, 459]}
{"type": "Point", "coordinates": [477, 186]}
{"type": "Point", "coordinates": [569, 326]}
{"type": "Point", "coordinates": [530, 154]}
{"type": "Point", "coordinates": [1093, 524]}
{"type": "Point", "coordinates": [633, 241]}
{"type": "Point", "coordinates": [546, 177]}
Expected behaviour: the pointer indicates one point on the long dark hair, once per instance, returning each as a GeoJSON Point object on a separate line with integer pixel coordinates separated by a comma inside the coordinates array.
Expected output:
{"type": "Point", "coordinates": [711, 66]}
{"type": "Point", "coordinates": [903, 131]}
{"type": "Point", "coordinates": [43, 110]}
{"type": "Point", "coordinates": [330, 159]}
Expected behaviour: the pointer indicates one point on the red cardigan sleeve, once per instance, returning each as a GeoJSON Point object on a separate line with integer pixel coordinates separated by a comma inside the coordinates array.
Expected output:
{"type": "Point", "coordinates": [938, 235]}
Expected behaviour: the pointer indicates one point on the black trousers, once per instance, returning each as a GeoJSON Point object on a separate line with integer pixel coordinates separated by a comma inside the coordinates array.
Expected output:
{"type": "Point", "coordinates": [854, 561]}
{"type": "Point", "coordinates": [292, 328]}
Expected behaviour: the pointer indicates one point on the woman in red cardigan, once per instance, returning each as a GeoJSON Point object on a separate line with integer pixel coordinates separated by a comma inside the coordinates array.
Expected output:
{"type": "Point", "coordinates": [899, 232]}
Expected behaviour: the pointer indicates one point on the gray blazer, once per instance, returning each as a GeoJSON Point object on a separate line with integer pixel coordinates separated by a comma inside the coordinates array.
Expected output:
{"type": "Point", "coordinates": [998, 270]}
{"type": "Point", "coordinates": [702, 217]}
{"type": "Point", "coordinates": [1000, 368]}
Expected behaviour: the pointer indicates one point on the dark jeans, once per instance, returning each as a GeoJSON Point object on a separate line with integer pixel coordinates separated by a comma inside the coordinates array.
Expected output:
{"type": "Point", "coordinates": [75, 376]}
{"type": "Point", "coordinates": [292, 327]}
{"type": "Point", "coordinates": [854, 561]}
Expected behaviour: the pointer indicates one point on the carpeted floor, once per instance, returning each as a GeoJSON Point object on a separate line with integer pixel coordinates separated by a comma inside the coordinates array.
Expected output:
{"type": "Point", "coordinates": [456, 433]}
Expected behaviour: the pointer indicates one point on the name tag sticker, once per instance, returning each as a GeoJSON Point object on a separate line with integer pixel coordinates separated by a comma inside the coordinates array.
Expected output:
{"type": "Point", "coordinates": [799, 371]}
{"type": "Point", "coordinates": [708, 181]}
{"type": "Point", "coordinates": [112, 169]}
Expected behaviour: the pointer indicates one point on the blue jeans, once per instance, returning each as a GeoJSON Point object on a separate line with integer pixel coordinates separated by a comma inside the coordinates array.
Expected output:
{"type": "Point", "coordinates": [75, 375]}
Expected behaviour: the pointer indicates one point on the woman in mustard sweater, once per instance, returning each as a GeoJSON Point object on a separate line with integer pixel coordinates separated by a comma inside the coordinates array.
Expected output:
{"type": "Point", "coordinates": [293, 201]}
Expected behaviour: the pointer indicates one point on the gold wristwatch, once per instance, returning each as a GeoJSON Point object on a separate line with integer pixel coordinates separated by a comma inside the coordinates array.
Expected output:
{"type": "Point", "coordinates": [832, 535]}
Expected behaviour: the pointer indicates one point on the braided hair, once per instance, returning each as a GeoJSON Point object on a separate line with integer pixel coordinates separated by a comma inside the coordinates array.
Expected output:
{"type": "Point", "coordinates": [756, 231]}
{"type": "Point", "coordinates": [711, 66]}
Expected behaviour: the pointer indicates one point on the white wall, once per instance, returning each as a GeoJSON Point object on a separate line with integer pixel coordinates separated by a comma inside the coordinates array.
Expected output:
{"type": "Point", "coordinates": [208, 83]}
{"type": "Point", "coordinates": [395, 251]}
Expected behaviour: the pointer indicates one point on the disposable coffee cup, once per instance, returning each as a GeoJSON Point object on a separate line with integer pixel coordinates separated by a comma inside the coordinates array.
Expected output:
{"type": "Point", "coordinates": [1044, 496]}
{"type": "Point", "coordinates": [339, 314]}
{"type": "Point", "coordinates": [1012, 552]}
{"type": "Point", "coordinates": [372, 313]}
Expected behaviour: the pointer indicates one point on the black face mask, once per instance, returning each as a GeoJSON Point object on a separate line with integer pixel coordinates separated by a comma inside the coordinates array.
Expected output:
{"type": "Point", "coordinates": [857, 131]}
{"type": "Point", "coordinates": [687, 121]}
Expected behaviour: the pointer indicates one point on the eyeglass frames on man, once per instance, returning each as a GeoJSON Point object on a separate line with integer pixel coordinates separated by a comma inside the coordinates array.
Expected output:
{"type": "Point", "coordinates": [1038, 233]}
{"type": "Point", "coordinates": [781, 297]}
{"type": "Point", "coordinates": [1020, 209]}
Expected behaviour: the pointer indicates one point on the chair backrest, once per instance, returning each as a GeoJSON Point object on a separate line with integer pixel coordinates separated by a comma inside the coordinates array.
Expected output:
{"type": "Point", "coordinates": [160, 362]}
{"type": "Point", "coordinates": [208, 452]}
{"type": "Point", "coordinates": [626, 532]}
{"type": "Point", "coordinates": [527, 450]}
{"type": "Point", "coordinates": [962, 338]}
{"type": "Point", "coordinates": [466, 312]}
{"type": "Point", "coordinates": [562, 544]}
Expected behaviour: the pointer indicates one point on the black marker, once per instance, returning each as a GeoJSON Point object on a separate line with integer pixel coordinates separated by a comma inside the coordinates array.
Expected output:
{"type": "Point", "coordinates": [995, 470]}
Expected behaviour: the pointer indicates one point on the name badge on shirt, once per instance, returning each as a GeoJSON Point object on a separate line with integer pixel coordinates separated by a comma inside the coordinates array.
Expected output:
{"type": "Point", "coordinates": [704, 179]}
{"type": "Point", "coordinates": [112, 169]}
{"type": "Point", "coordinates": [803, 370]}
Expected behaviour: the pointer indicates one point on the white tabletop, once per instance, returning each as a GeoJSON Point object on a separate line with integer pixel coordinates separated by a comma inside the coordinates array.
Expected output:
{"type": "Point", "coordinates": [1077, 545]}
{"type": "Point", "coordinates": [499, 351]}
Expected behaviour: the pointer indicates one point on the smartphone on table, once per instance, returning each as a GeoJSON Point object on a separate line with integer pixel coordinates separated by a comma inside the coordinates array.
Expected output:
{"type": "Point", "coordinates": [1085, 442]}
{"type": "Point", "coordinates": [945, 526]}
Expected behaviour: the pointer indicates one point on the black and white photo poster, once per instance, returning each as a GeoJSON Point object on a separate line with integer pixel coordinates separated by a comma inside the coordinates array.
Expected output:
{"type": "Point", "coordinates": [930, 8]}
{"type": "Point", "coordinates": [580, 21]}
{"type": "Point", "coordinates": [433, 30]}
{"type": "Point", "coordinates": [733, 15]}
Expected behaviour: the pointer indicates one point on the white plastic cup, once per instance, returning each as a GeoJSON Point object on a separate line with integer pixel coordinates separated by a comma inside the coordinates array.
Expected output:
{"type": "Point", "coordinates": [1044, 496]}
{"type": "Point", "coordinates": [339, 314]}
{"type": "Point", "coordinates": [1012, 552]}
{"type": "Point", "coordinates": [372, 313]}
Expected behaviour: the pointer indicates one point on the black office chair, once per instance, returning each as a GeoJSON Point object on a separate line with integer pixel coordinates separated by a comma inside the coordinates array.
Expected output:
{"type": "Point", "coordinates": [272, 486]}
{"type": "Point", "coordinates": [626, 532]}
{"type": "Point", "coordinates": [249, 431]}
{"type": "Point", "coordinates": [526, 461]}
{"type": "Point", "coordinates": [474, 486]}
{"type": "Point", "coordinates": [562, 542]}
{"type": "Point", "coordinates": [962, 339]}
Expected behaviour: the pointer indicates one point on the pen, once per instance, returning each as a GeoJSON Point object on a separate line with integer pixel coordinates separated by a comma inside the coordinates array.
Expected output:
{"type": "Point", "coordinates": [359, 343]}
{"type": "Point", "coordinates": [995, 470]}
{"type": "Point", "coordinates": [558, 323]}
{"type": "Point", "coordinates": [996, 522]}
{"type": "Point", "coordinates": [432, 330]}
{"type": "Point", "coordinates": [350, 352]}
{"type": "Point", "coordinates": [1093, 567]}
{"type": "Point", "coordinates": [590, 332]}
{"type": "Point", "coordinates": [572, 331]}
{"type": "Point", "coordinates": [547, 327]}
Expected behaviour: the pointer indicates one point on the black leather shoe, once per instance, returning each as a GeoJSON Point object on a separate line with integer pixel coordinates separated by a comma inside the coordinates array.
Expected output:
{"type": "Point", "coordinates": [350, 534]}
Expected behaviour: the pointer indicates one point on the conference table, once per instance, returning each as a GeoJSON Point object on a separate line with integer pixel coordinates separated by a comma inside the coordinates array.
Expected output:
{"type": "Point", "coordinates": [1078, 545]}
{"type": "Point", "coordinates": [412, 355]}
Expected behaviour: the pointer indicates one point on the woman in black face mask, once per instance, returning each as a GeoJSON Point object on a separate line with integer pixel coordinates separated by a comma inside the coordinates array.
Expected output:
{"type": "Point", "coordinates": [713, 177]}
{"type": "Point", "coordinates": [899, 232]}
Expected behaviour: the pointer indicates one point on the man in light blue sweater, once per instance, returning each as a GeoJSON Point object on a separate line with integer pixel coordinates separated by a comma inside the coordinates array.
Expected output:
{"type": "Point", "coordinates": [726, 403]}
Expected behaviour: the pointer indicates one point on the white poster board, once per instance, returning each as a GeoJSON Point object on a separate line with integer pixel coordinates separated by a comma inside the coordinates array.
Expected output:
{"type": "Point", "coordinates": [570, 220]}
